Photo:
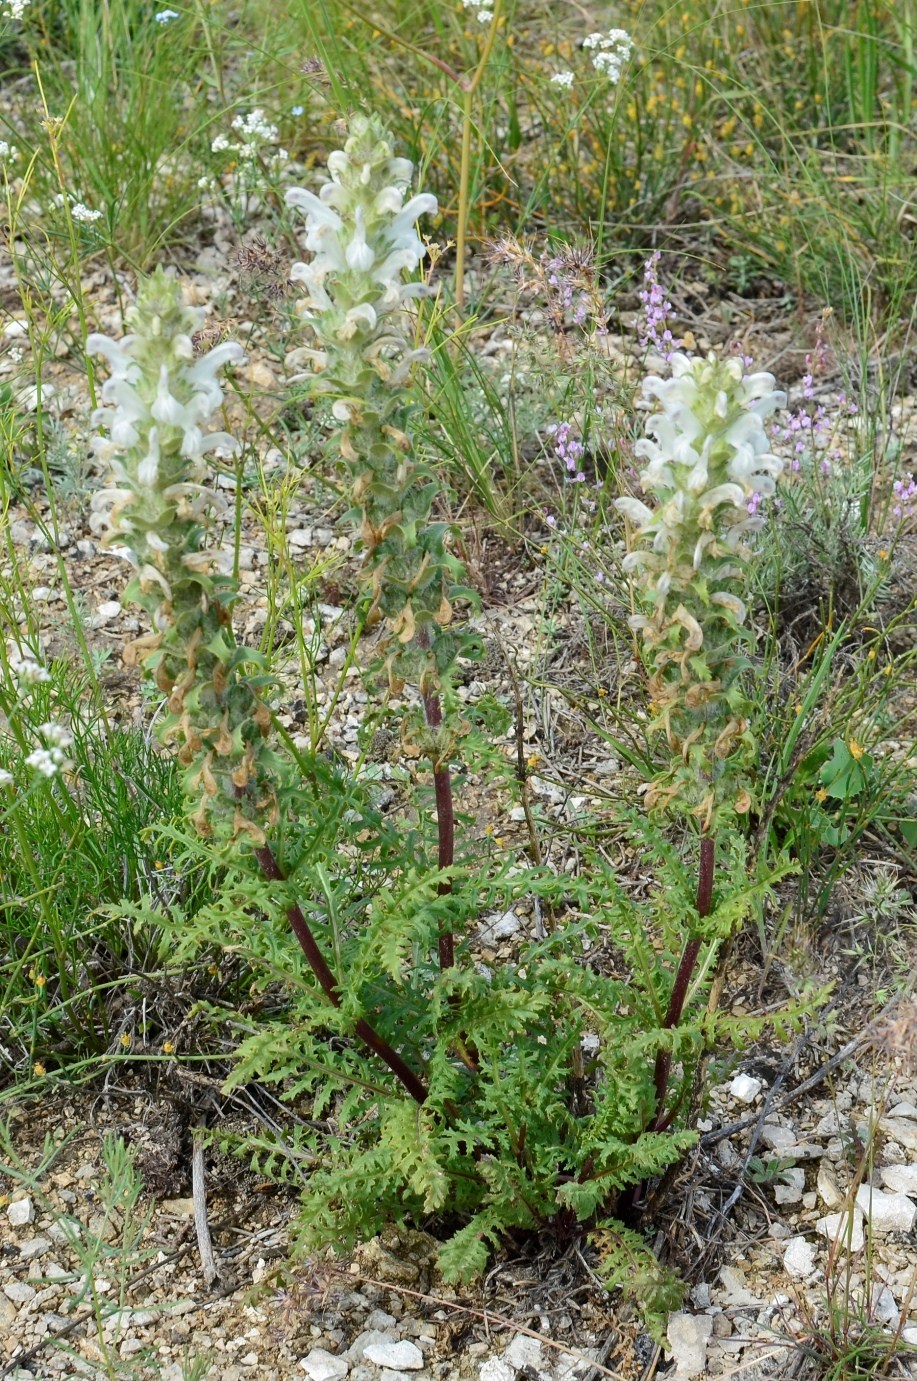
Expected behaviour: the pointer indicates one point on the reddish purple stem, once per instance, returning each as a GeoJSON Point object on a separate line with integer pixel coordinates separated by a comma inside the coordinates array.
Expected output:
{"type": "Point", "coordinates": [445, 824]}
{"type": "Point", "coordinates": [683, 981]}
{"type": "Point", "coordinates": [301, 929]}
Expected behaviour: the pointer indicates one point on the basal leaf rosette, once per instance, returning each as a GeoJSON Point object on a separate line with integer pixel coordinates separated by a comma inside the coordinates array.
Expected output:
{"type": "Point", "coordinates": [361, 231]}
{"type": "Point", "coordinates": [709, 466]}
{"type": "Point", "coordinates": [158, 511]}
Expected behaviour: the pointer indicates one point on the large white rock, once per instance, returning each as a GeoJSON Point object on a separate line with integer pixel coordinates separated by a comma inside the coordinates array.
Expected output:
{"type": "Point", "coordinates": [499, 927]}
{"type": "Point", "coordinates": [688, 1336]}
{"type": "Point", "coordinates": [886, 1212]}
{"type": "Point", "coordinates": [901, 1129]}
{"type": "Point", "coordinates": [495, 1369]}
{"type": "Point", "coordinates": [745, 1088]}
{"type": "Point", "coordinates": [20, 1212]}
{"type": "Point", "coordinates": [734, 1283]}
{"type": "Point", "coordinates": [799, 1258]}
{"type": "Point", "coordinates": [401, 1356]}
{"type": "Point", "coordinates": [324, 1366]}
{"type": "Point", "coordinates": [776, 1137]}
{"type": "Point", "coordinates": [837, 1227]}
{"type": "Point", "coordinates": [524, 1351]}
{"type": "Point", "coordinates": [900, 1179]}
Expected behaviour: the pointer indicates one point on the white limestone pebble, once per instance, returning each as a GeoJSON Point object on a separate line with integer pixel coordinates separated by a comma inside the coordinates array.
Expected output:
{"type": "Point", "coordinates": [900, 1179]}
{"type": "Point", "coordinates": [400, 1356]}
{"type": "Point", "coordinates": [837, 1227]}
{"type": "Point", "coordinates": [799, 1258]}
{"type": "Point", "coordinates": [777, 1138]}
{"type": "Point", "coordinates": [20, 1212]}
{"type": "Point", "coordinates": [745, 1088]}
{"type": "Point", "coordinates": [886, 1212]}
{"type": "Point", "coordinates": [321, 1365]}
{"type": "Point", "coordinates": [499, 927]}
{"type": "Point", "coordinates": [495, 1369]}
{"type": "Point", "coordinates": [19, 1291]}
{"type": "Point", "coordinates": [688, 1336]}
{"type": "Point", "coordinates": [790, 1192]}
{"type": "Point", "coordinates": [36, 1246]}
{"type": "Point", "coordinates": [524, 1352]}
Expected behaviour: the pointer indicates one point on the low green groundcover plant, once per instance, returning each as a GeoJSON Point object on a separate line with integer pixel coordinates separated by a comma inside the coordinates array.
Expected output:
{"type": "Point", "coordinates": [549, 1090]}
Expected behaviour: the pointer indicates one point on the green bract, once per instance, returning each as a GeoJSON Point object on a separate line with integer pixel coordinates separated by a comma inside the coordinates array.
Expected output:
{"type": "Point", "coordinates": [709, 467]}
{"type": "Point", "coordinates": [157, 512]}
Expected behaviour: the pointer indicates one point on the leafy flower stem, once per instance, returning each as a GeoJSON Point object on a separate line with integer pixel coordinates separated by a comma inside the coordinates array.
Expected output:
{"type": "Point", "coordinates": [445, 824]}
{"type": "Point", "coordinates": [301, 929]}
{"type": "Point", "coordinates": [683, 979]}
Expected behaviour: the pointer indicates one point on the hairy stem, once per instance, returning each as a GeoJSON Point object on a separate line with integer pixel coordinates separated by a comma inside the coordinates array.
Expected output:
{"type": "Point", "coordinates": [301, 929]}
{"type": "Point", "coordinates": [683, 980]}
{"type": "Point", "coordinates": [445, 825]}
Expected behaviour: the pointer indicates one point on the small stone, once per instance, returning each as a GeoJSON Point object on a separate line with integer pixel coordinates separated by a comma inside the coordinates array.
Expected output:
{"type": "Point", "coordinates": [799, 1258]}
{"type": "Point", "coordinates": [36, 1246]}
{"type": "Point", "coordinates": [827, 1188]}
{"type": "Point", "coordinates": [886, 1212]}
{"type": "Point", "coordinates": [324, 1366]}
{"type": "Point", "coordinates": [904, 1110]}
{"type": "Point", "coordinates": [737, 1291]}
{"type": "Point", "coordinates": [524, 1352]}
{"type": "Point", "coordinates": [378, 1319]}
{"type": "Point", "coordinates": [181, 1208]}
{"type": "Point", "coordinates": [499, 927]}
{"type": "Point", "coordinates": [364, 1340]}
{"type": "Point", "coordinates": [19, 1292]}
{"type": "Point", "coordinates": [745, 1088]}
{"type": "Point", "coordinates": [901, 1129]}
{"type": "Point", "coordinates": [495, 1369]}
{"type": "Point", "coordinates": [300, 537]}
{"type": "Point", "coordinates": [777, 1138]}
{"type": "Point", "coordinates": [838, 1227]}
{"type": "Point", "coordinates": [130, 1347]}
{"type": "Point", "coordinates": [688, 1336]}
{"type": "Point", "coordinates": [400, 1356]}
{"type": "Point", "coordinates": [790, 1192]}
{"type": "Point", "coordinates": [20, 1212]}
{"type": "Point", "coordinates": [883, 1306]}
{"type": "Point", "coordinates": [900, 1179]}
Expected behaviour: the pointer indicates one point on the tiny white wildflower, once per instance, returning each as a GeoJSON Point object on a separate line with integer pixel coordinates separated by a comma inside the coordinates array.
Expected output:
{"type": "Point", "coordinates": [164, 16]}
{"type": "Point", "coordinates": [5, 777]}
{"type": "Point", "coordinates": [481, 7]}
{"type": "Point", "coordinates": [16, 8]}
{"type": "Point", "coordinates": [7, 151]}
{"type": "Point", "coordinates": [221, 144]}
{"type": "Point", "coordinates": [564, 79]}
{"type": "Point", "coordinates": [26, 672]}
{"type": "Point", "coordinates": [81, 212]}
{"type": "Point", "coordinates": [56, 735]}
{"type": "Point", "coordinates": [610, 51]}
{"type": "Point", "coordinates": [255, 128]}
{"type": "Point", "coordinates": [44, 761]}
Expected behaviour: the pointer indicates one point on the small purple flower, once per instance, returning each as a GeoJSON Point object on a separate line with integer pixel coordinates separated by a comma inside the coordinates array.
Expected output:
{"type": "Point", "coordinates": [569, 448]}
{"type": "Point", "coordinates": [656, 311]}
